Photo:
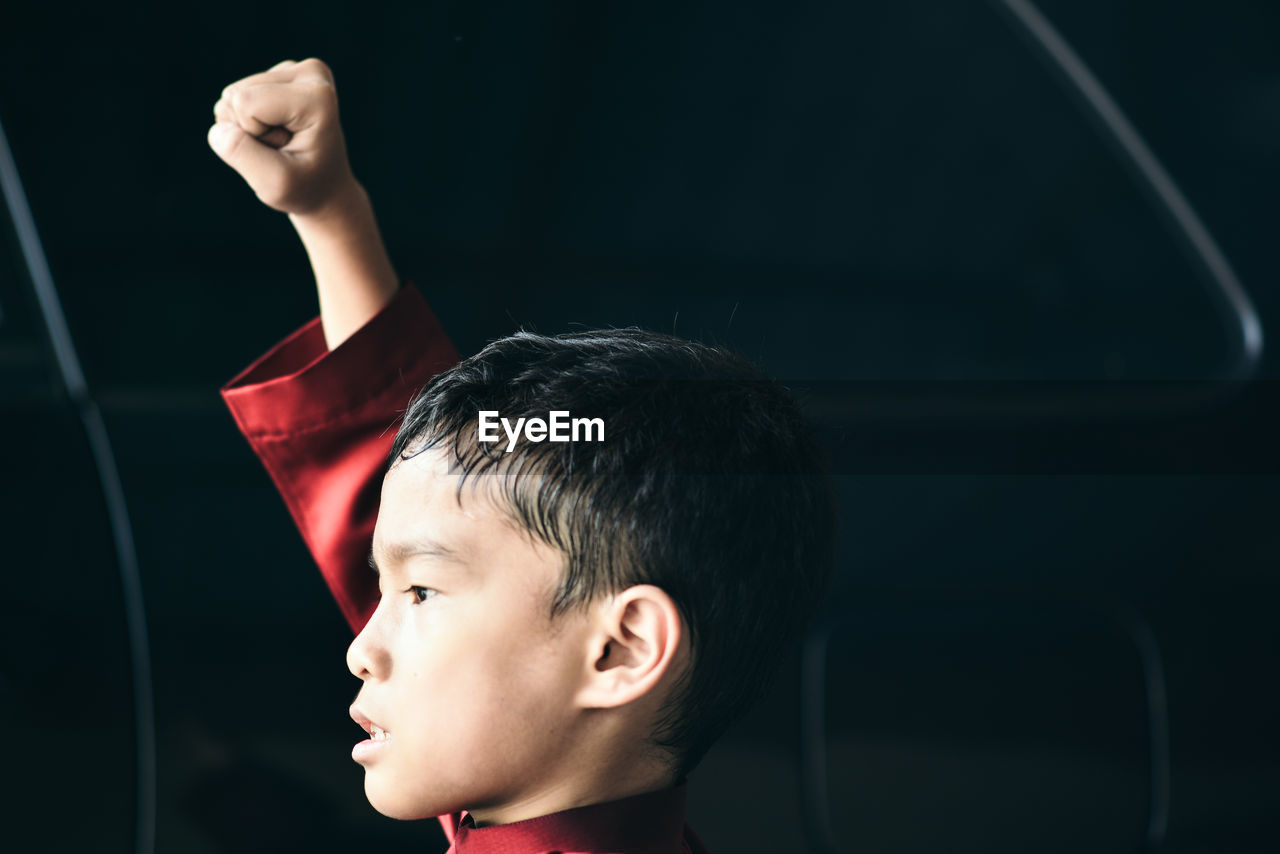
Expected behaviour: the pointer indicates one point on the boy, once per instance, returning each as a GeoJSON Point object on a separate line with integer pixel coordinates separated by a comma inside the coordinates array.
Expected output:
{"type": "Point", "coordinates": [558, 623]}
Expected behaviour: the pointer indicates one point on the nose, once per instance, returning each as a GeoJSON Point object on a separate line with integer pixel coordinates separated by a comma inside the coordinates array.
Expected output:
{"type": "Point", "coordinates": [367, 656]}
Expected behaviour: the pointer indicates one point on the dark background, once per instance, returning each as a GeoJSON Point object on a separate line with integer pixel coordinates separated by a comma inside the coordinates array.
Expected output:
{"type": "Point", "coordinates": [865, 194]}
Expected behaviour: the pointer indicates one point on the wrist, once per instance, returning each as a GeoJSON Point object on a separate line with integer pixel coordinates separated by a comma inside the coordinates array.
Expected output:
{"type": "Point", "coordinates": [354, 275]}
{"type": "Point", "coordinates": [348, 204]}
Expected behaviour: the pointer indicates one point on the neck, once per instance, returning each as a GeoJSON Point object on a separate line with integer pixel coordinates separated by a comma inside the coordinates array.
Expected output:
{"type": "Point", "coordinates": [589, 783]}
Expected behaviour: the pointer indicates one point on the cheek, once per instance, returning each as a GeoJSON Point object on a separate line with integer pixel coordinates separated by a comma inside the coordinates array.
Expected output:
{"type": "Point", "coordinates": [514, 664]}
{"type": "Point", "coordinates": [487, 662]}
{"type": "Point", "coordinates": [459, 657]}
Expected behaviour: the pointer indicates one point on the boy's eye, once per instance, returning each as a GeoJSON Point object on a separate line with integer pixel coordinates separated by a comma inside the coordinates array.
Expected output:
{"type": "Point", "coordinates": [421, 594]}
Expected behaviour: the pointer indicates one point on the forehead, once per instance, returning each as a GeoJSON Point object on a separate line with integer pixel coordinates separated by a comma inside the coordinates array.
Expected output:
{"type": "Point", "coordinates": [420, 495]}
{"type": "Point", "coordinates": [421, 503]}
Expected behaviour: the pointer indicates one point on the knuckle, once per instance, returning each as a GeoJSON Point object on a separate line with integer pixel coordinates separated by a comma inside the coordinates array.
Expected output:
{"type": "Point", "coordinates": [314, 63]}
{"type": "Point", "coordinates": [245, 98]}
{"type": "Point", "coordinates": [323, 92]}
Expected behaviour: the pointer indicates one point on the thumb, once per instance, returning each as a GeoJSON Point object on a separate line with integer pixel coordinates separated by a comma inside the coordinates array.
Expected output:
{"type": "Point", "coordinates": [223, 139]}
{"type": "Point", "coordinates": [256, 162]}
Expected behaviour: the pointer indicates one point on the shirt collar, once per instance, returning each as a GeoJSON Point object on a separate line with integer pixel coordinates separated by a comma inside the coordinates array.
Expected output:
{"type": "Point", "coordinates": [641, 824]}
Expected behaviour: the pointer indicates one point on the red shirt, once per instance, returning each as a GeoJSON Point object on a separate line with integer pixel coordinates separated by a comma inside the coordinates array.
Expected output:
{"type": "Point", "coordinates": [322, 423]}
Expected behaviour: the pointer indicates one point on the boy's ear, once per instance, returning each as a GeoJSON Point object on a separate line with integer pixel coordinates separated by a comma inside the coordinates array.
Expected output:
{"type": "Point", "coordinates": [635, 643]}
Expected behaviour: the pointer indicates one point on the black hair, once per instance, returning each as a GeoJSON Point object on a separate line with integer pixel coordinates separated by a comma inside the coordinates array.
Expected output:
{"type": "Point", "coordinates": [708, 484]}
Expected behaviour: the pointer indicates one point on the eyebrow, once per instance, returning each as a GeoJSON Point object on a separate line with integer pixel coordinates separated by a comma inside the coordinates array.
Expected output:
{"type": "Point", "coordinates": [400, 552]}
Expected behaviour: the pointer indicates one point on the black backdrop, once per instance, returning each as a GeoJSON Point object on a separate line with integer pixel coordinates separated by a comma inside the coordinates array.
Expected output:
{"type": "Point", "coordinates": [864, 194]}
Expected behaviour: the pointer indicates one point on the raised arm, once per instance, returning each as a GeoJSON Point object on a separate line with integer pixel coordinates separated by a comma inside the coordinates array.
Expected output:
{"type": "Point", "coordinates": [321, 416]}
{"type": "Point", "coordinates": [280, 131]}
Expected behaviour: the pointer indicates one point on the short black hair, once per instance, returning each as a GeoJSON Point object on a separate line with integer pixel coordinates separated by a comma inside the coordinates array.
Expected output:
{"type": "Point", "coordinates": [709, 484]}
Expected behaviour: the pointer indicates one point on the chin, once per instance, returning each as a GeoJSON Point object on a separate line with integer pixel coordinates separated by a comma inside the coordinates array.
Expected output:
{"type": "Point", "coordinates": [393, 802]}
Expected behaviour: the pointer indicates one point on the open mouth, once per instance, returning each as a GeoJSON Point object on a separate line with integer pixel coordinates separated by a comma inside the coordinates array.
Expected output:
{"type": "Point", "coordinates": [375, 733]}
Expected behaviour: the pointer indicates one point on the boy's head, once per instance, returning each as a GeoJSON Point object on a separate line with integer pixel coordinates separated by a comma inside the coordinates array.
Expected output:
{"type": "Point", "coordinates": [564, 611]}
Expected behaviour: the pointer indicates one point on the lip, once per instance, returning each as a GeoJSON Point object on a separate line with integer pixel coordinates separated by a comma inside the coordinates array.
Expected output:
{"type": "Point", "coordinates": [361, 719]}
{"type": "Point", "coordinates": [363, 751]}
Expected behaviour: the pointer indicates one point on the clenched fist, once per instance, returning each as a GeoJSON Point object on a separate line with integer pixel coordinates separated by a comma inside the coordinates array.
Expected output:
{"type": "Point", "coordinates": [279, 129]}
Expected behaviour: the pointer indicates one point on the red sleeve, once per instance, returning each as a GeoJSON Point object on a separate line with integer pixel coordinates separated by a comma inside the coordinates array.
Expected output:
{"type": "Point", "coordinates": [322, 423]}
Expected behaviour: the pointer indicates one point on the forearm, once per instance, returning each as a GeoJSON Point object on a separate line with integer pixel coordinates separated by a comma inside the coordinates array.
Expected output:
{"type": "Point", "coordinates": [354, 276]}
